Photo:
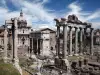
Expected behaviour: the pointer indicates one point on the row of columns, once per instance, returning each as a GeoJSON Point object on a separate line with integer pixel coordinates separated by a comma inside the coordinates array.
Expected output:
{"type": "Point", "coordinates": [70, 40]}
{"type": "Point", "coordinates": [15, 59]}
{"type": "Point", "coordinates": [14, 40]}
{"type": "Point", "coordinates": [38, 45]}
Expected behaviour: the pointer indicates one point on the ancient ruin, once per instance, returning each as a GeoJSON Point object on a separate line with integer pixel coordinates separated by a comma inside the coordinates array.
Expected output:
{"type": "Point", "coordinates": [61, 52]}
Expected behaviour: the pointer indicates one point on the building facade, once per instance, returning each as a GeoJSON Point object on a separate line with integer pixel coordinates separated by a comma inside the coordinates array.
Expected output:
{"type": "Point", "coordinates": [23, 30]}
{"type": "Point", "coordinates": [42, 41]}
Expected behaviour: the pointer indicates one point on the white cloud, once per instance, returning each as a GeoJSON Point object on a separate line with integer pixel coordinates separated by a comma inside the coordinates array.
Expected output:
{"type": "Point", "coordinates": [94, 15]}
{"type": "Point", "coordinates": [96, 25]}
{"type": "Point", "coordinates": [34, 11]}
{"type": "Point", "coordinates": [2, 15]}
{"type": "Point", "coordinates": [76, 8]}
{"type": "Point", "coordinates": [44, 26]}
{"type": "Point", "coordinates": [38, 11]}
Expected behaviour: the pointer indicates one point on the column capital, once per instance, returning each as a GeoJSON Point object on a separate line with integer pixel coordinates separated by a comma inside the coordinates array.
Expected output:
{"type": "Point", "coordinates": [63, 21]}
{"type": "Point", "coordinates": [85, 28]}
{"type": "Point", "coordinates": [58, 25]}
{"type": "Point", "coordinates": [70, 27]}
{"type": "Point", "coordinates": [92, 28]}
{"type": "Point", "coordinates": [76, 28]}
{"type": "Point", "coordinates": [80, 28]}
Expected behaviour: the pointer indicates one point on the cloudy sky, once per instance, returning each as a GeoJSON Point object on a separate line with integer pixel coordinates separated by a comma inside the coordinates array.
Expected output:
{"type": "Point", "coordinates": [42, 12]}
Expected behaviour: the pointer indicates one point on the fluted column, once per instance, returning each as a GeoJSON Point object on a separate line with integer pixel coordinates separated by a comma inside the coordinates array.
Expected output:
{"type": "Point", "coordinates": [31, 50]}
{"type": "Point", "coordinates": [58, 40]}
{"type": "Point", "coordinates": [5, 44]}
{"type": "Point", "coordinates": [91, 45]}
{"type": "Point", "coordinates": [76, 40]}
{"type": "Point", "coordinates": [32, 43]}
{"type": "Point", "coordinates": [15, 41]}
{"type": "Point", "coordinates": [15, 48]}
{"type": "Point", "coordinates": [84, 49]}
{"type": "Point", "coordinates": [0, 42]}
{"type": "Point", "coordinates": [80, 48]}
{"type": "Point", "coordinates": [70, 39]}
{"type": "Point", "coordinates": [40, 45]}
{"type": "Point", "coordinates": [65, 40]}
{"type": "Point", "coordinates": [37, 47]}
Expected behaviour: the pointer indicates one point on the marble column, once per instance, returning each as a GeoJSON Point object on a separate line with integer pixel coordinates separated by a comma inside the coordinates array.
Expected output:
{"type": "Point", "coordinates": [5, 44]}
{"type": "Point", "coordinates": [15, 41]}
{"type": "Point", "coordinates": [64, 41]}
{"type": "Point", "coordinates": [80, 45]}
{"type": "Point", "coordinates": [37, 46]}
{"type": "Point", "coordinates": [40, 45]}
{"type": "Point", "coordinates": [29, 47]}
{"type": "Point", "coordinates": [91, 45]}
{"type": "Point", "coordinates": [76, 40]}
{"type": "Point", "coordinates": [58, 41]}
{"type": "Point", "coordinates": [31, 50]}
{"type": "Point", "coordinates": [0, 40]}
{"type": "Point", "coordinates": [30, 44]}
{"type": "Point", "coordinates": [84, 49]}
{"type": "Point", "coordinates": [15, 48]}
{"type": "Point", "coordinates": [70, 39]}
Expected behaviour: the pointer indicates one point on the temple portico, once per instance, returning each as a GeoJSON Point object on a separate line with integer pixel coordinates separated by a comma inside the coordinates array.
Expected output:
{"type": "Point", "coordinates": [79, 28]}
{"type": "Point", "coordinates": [43, 41]}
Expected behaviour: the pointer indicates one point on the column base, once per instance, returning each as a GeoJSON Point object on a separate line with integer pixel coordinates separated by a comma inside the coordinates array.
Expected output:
{"type": "Point", "coordinates": [56, 57]}
{"type": "Point", "coordinates": [80, 54]}
{"type": "Point", "coordinates": [91, 54]}
{"type": "Point", "coordinates": [14, 60]}
{"type": "Point", "coordinates": [76, 54]}
{"type": "Point", "coordinates": [17, 66]}
{"type": "Point", "coordinates": [70, 55]}
{"type": "Point", "coordinates": [5, 59]}
{"type": "Point", "coordinates": [65, 57]}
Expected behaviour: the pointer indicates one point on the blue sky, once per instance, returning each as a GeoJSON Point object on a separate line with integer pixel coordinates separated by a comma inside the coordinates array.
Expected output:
{"type": "Point", "coordinates": [40, 13]}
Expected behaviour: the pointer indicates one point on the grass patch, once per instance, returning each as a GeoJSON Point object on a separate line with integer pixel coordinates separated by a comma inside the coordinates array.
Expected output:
{"type": "Point", "coordinates": [75, 58]}
{"type": "Point", "coordinates": [8, 69]}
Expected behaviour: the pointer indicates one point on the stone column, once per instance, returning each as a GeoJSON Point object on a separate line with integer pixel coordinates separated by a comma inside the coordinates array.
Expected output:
{"type": "Point", "coordinates": [91, 45]}
{"type": "Point", "coordinates": [0, 40]}
{"type": "Point", "coordinates": [84, 49]}
{"type": "Point", "coordinates": [80, 47]}
{"type": "Point", "coordinates": [31, 50]}
{"type": "Point", "coordinates": [30, 45]}
{"type": "Point", "coordinates": [5, 44]}
{"type": "Point", "coordinates": [40, 45]}
{"type": "Point", "coordinates": [58, 41]}
{"type": "Point", "coordinates": [15, 41]}
{"type": "Point", "coordinates": [64, 41]}
{"type": "Point", "coordinates": [76, 40]}
{"type": "Point", "coordinates": [70, 39]}
{"type": "Point", "coordinates": [37, 46]}
{"type": "Point", "coordinates": [15, 48]}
